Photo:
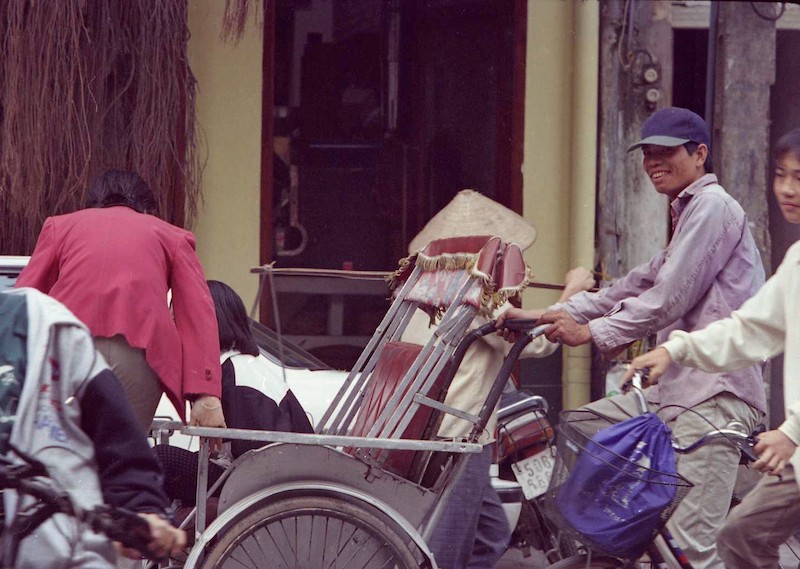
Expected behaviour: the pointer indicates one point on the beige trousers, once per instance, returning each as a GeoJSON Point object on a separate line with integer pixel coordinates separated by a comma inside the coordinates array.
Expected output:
{"type": "Point", "coordinates": [712, 469]}
{"type": "Point", "coordinates": [756, 528]}
{"type": "Point", "coordinates": [140, 382]}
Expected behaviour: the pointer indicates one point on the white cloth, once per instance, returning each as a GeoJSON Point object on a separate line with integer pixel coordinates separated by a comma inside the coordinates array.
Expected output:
{"type": "Point", "coordinates": [61, 360]}
{"type": "Point", "coordinates": [257, 373]}
{"type": "Point", "coordinates": [765, 326]}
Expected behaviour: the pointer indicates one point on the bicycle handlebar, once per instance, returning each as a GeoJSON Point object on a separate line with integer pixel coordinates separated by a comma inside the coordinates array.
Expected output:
{"type": "Point", "coordinates": [743, 441]}
{"type": "Point", "coordinates": [737, 436]}
{"type": "Point", "coordinates": [118, 524]}
{"type": "Point", "coordinates": [520, 324]}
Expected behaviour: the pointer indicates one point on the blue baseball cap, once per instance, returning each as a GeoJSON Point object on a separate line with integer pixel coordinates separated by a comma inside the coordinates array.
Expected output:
{"type": "Point", "coordinates": [673, 126]}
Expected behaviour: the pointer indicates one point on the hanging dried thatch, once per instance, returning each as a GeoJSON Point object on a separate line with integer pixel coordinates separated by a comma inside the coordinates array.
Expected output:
{"type": "Point", "coordinates": [234, 19]}
{"type": "Point", "coordinates": [87, 85]}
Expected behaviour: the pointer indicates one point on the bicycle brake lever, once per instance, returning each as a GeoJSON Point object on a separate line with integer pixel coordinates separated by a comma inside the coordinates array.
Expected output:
{"type": "Point", "coordinates": [639, 380]}
{"type": "Point", "coordinates": [750, 443]}
{"type": "Point", "coordinates": [748, 453]}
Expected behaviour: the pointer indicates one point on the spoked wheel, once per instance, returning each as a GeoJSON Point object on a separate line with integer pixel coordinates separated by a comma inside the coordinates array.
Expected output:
{"type": "Point", "coordinates": [583, 562]}
{"type": "Point", "coordinates": [319, 532]}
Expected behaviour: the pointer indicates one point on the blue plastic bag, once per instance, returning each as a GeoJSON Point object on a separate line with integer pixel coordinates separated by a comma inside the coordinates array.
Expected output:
{"type": "Point", "coordinates": [620, 485]}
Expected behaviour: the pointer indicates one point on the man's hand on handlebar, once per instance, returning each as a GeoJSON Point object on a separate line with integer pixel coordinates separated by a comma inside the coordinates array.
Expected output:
{"type": "Point", "coordinates": [564, 329]}
{"type": "Point", "coordinates": [774, 449]}
{"type": "Point", "coordinates": [656, 361]}
{"type": "Point", "coordinates": [514, 314]}
{"type": "Point", "coordinates": [165, 539]}
{"type": "Point", "coordinates": [576, 280]}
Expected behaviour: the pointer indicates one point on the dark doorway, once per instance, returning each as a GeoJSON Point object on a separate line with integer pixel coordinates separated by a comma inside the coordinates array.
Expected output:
{"type": "Point", "coordinates": [690, 55]}
{"type": "Point", "coordinates": [382, 111]}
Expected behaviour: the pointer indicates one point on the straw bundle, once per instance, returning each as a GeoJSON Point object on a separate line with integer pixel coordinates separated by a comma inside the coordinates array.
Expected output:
{"type": "Point", "coordinates": [87, 85]}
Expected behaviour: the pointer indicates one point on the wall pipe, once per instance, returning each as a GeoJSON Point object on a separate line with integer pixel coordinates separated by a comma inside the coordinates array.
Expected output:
{"type": "Point", "coordinates": [577, 362]}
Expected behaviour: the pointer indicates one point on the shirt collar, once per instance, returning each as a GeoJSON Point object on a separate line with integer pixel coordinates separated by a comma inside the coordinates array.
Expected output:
{"type": "Point", "coordinates": [679, 204]}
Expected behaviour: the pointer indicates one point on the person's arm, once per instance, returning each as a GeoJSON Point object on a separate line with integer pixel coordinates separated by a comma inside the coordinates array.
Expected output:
{"type": "Point", "coordinates": [753, 333]}
{"type": "Point", "coordinates": [129, 475]}
{"type": "Point", "coordinates": [693, 260]}
{"type": "Point", "coordinates": [41, 271]}
{"type": "Point", "coordinates": [584, 306]}
{"type": "Point", "coordinates": [196, 322]}
{"type": "Point", "coordinates": [791, 426]}
{"type": "Point", "coordinates": [576, 280]}
{"type": "Point", "coordinates": [774, 449]}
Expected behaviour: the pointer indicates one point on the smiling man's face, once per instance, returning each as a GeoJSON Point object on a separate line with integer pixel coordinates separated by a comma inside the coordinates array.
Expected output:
{"type": "Point", "coordinates": [672, 168]}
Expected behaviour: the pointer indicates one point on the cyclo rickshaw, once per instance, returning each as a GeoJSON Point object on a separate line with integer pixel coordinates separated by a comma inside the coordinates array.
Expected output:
{"type": "Point", "coordinates": [366, 489]}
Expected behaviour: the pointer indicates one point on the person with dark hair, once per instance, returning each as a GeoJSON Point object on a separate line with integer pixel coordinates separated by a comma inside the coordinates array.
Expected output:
{"type": "Point", "coordinates": [710, 266]}
{"type": "Point", "coordinates": [254, 395]}
{"type": "Point", "coordinates": [117, 187]}
{"type": "Point", "coordinates": [113, 265]}
{"type": "Point", "coordinates": [232, 321]}
{"type": "Point", "coordinates": [763, 327]}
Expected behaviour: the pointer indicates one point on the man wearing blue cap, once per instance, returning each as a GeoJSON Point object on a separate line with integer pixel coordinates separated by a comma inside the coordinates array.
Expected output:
{"type": "Point", "coordinates": [707, 270]}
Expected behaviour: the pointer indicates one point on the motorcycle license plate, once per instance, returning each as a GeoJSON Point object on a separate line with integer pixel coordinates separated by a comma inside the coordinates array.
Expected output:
{"type": "Point", "coordinates": [533, 474]}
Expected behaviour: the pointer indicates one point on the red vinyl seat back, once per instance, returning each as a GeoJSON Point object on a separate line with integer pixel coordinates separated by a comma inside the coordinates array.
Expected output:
{"type": "Point", "coordinates": [395, 360]}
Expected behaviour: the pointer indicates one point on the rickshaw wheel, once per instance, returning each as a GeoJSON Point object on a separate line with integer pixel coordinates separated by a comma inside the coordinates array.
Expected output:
{"type": "Point", "coordinates": [310, 532]}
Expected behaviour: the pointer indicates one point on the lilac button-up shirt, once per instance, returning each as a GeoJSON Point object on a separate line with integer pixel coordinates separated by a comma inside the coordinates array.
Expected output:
{"type": "Point", "coordinates": [709, 268]}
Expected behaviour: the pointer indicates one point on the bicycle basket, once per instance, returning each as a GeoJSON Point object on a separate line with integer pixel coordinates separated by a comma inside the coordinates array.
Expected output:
{"type": "Point", "coordinates": [614, 486]}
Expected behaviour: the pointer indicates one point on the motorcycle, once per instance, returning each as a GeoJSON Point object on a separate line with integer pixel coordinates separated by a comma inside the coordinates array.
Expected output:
{"type": "Point", "coordinates": [524, 461]}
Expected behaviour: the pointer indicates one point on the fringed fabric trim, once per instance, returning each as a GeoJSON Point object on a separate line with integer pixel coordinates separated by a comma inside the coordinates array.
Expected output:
{"type": "Point", "coordinates": [509, 292]}
{"type": "Point", "coordinates": [455, 262]}
{"type": "Point", "coordinates": [403, 269]}
{"type": "Point", "coordinates": [490, 299]}
{"type": "Point", "coordinates": [447, 261]}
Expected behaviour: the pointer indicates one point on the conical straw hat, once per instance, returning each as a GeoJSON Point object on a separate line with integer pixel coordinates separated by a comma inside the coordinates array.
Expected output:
{"type": "Point", "coordinates": [472, 213]}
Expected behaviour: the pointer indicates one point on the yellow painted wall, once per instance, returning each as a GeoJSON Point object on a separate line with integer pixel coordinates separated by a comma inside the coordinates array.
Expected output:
{"type": "Point", "coordinates": [229, 117]}
{"type": "Point", "coordinates": [548, 83]}
{"type": "Point", "coordinates": [559, 168]}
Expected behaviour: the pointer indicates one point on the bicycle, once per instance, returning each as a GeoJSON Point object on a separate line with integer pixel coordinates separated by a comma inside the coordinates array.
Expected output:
{"type": "Point", "coordinates": [31, 479]}
{"type": "Point", "coordinates": [662, 552]}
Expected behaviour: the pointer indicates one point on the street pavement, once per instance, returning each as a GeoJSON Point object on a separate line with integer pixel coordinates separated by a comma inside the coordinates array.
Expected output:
{"type": "Point", "coordinates": [513, 559]}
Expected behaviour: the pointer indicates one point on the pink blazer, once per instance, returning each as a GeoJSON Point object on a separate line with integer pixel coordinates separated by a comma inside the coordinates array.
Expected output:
{"type": "Point", "coordinates": [112, 267]}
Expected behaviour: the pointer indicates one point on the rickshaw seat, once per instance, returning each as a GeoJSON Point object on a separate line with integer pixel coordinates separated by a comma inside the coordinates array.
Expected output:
{"type": "Point", "coordinates": [395, 360]}
{"type": "Point", "coordinates": [396, 389]}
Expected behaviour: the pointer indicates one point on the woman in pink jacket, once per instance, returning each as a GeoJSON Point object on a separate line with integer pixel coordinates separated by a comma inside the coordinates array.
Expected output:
{"type": "Point", "coordinates": [112, 264]}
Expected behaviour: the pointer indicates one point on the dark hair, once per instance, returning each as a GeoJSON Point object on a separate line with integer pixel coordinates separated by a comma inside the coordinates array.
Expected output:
{"type": "Point", "coordinates": [789, 143]}
{"type": "Point", "coordinates": [117, 187]}
{"type": "Point", "coordinates": [232, 320]}
{"type": "Point", "coordinates": [691, 148]}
